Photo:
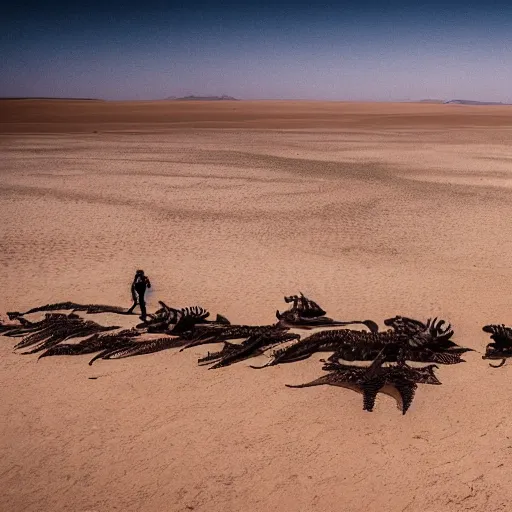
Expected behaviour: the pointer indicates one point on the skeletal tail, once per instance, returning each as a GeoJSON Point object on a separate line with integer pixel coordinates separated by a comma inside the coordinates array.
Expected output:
{"type": "Point", "coordinates": [503, 361]}
{"type": "Point", "coordinates": [317, 382]}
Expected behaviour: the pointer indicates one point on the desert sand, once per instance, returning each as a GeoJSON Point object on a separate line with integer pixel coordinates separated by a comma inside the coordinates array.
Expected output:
{"type": "Point", "coordinates": [372, 210]}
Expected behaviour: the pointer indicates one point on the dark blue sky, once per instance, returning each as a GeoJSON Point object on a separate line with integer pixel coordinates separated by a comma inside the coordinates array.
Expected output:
{"type": "Point", "coordinates": [340, 51]}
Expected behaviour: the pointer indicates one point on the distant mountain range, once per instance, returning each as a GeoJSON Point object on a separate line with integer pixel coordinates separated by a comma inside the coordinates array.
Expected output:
{"type": "Point", "coordinates": [471, 102]}
{"type": "Point", "coordinates": [203, 98]}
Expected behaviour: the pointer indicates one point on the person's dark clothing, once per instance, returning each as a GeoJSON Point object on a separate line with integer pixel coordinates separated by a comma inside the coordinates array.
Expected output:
{"type": "Point", "coordinates": [139, 285]}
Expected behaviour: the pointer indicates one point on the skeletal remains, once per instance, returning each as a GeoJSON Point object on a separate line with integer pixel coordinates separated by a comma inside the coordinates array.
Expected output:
{"type": "Point", "coordinates": [370, 380]}
{"type": "Point", "coordinates": [501, 348]}
{"type": "Point", "coordinates": [387, 351]}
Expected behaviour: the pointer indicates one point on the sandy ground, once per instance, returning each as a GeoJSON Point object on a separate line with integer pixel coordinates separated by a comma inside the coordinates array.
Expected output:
{"type": "Point", "coordinates": [370, 209]}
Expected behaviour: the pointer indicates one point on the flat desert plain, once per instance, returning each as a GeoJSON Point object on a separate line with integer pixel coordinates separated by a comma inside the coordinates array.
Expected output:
{"type": "Point", "coordinates": [371, 209]}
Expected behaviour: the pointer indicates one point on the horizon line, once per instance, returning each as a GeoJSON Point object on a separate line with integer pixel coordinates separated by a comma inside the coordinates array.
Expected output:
{"type": "Point", "coordinates": [221, 99]}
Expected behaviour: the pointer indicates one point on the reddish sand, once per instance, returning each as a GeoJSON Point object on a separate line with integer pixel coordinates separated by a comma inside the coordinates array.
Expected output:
{"type": "Point", "coordinates": [372, 210]}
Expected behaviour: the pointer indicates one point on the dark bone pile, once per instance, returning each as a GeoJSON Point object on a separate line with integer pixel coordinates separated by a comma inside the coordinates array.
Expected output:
{"type": "Point", "coordinates": [501, 347]}
{"type": "Point", "coordinates": [387, 354]}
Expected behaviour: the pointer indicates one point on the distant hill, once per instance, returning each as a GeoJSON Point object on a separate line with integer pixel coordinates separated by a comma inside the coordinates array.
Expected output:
{"type": "Point", "coordinates": [471, 102]}
{"type": "Point", "coordinates": [204, 98]}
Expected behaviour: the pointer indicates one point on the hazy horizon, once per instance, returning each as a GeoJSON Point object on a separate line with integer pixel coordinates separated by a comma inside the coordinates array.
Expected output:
{"type": "Point", "coordinates": [260, 50]}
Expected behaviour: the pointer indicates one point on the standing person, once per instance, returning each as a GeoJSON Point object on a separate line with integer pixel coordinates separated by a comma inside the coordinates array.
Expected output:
{"type": "Point", "coordinates": [139, 285]}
